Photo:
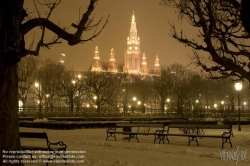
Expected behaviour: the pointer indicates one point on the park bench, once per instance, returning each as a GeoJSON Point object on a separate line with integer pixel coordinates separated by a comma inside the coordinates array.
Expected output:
{"type": "Point", "coordinates": [27, 118]}
{"type": "Point", "coordinates": [192, 131]}
{"type": "Point", "coordinates": [112, 131]}
{"type": "Point", "coordinates": [56, 150]}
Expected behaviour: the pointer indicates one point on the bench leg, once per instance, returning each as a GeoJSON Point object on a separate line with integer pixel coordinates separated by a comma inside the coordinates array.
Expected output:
{"type": "Point", "coordinates": [133, 136]}
{"type": "Point", "coordinates": [159, 137]}
{"type": "Point", "coordinates": [193, 139]}
{"type": "Point", "coordinates": [110, 135]}
{"type": "Point", "coordinates": [226, 140]}
{"type": "Point", "coordinates": [162, 138]}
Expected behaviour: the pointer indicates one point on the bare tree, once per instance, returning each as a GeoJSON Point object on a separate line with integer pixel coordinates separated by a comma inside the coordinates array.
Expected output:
{"type": "Point", "coordinates": [221, 45]}
{"type": "Point", "coordinates": [72, 86]}
{"type": "Point", "coordinates": [162, 84]}
{"type": "Point", "coordinates": [141, 87]}
{"type": "Point", "coordinates": [103, 88]}
{"type": "Point", "coordinates": [182, 88]}
{"type": "Point", "coordinates": [13, 28]}
{"type": "Point", "coordinates": [52, 72]}
{"type": "Point", "coordinates": [26, 69]}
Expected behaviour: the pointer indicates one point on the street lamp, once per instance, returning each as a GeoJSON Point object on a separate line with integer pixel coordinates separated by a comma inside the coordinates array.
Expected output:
{"type": "Point", "coordinates": [47, 104]}
{"type": "Point", "coordinates": [222, 104]}
{"type": "Point", "coordinates": [139, 105]}
{"type": "Point", "coordinates": [133, 105]}
{"type": "Point", "coordinates": [238, 87]}
{"type": "Point", "coordinates": [134, 98]}
{"type": "Point", "coordinates": [245, 104]}
{"type": "Point", "coordinates": [39, 95]}
{"type": "Point", "coordinates": [36, 85]}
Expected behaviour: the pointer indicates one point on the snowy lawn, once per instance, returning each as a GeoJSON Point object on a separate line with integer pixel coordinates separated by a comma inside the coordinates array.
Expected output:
{"type": "Point", "coordinates": [100, 152]}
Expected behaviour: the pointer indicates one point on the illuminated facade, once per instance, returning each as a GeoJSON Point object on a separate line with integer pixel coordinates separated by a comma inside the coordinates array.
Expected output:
{"type": "Point", "coordinates": [132, 52]}
{"type": "Point", "coordinates": [112, 67]}
{"type": "Point", "coordinates": [157, 65]}
{"type": "Point", "coordinates": [133, 63]}
{"type": "Point", "coordinates": [144, 66]}
{"type": "Point", "coordinates": [96, 66]}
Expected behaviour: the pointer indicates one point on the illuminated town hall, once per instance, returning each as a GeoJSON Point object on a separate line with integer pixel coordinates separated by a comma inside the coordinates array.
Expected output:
{"type": "Point", "coordinates": [134, 61]}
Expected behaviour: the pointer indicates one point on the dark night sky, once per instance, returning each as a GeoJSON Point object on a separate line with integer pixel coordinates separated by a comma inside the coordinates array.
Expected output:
{"type": "Point", "coordinates": [152, 26]}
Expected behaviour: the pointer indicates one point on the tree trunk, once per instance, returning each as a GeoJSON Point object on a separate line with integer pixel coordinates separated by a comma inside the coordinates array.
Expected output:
{"type": "Point", "coordinates": [9, 123]}
{"type": "Point", "coordinates": [98, 108]}
{"type": "Point", "coordinates": [71, 105]}
{"type": "Point", "coordinates": [11, 12]}
{"type": "Point", "coordinates": [162, 106]}
{"type": "Point", "coordinates": [40, 109]}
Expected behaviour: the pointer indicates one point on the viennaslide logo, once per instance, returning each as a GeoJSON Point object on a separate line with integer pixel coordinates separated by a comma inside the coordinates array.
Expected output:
{"type": "Point", "coordinates": [236, 155]}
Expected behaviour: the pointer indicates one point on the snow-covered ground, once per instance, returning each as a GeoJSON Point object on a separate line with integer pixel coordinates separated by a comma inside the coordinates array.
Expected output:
{"type": "Point", "coordinates": [100, 152]}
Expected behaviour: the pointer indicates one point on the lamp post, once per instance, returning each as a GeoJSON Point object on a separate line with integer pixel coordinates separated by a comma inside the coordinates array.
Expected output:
{"type": "Point", "coordinates": [196, 105]}
{"type": "Point", "coordinates": [95, 98]}
{"type": "Point", "coordinates": [222, 104]}
{"type": "Point", "coordinates": [40, 97]}
{"type": "Point", "coordinates": [134, 99]}
{"type": "Point", "coordinates": [168, 101]}
{"type": "Point", "coordinates": [139, 105]}
{"type": "Point", "coordinates": [245, 104]}
{"type": "Point", "coordinates": [238, 87]}
{"type": "Point", "coordinates": [47, 103]}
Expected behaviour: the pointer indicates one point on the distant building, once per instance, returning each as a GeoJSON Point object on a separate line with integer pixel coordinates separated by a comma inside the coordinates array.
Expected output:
{"type": "Point", "coordinates": [133, 63]}
{"type": "Point", "coordinates": [157, 65]}
{"type": "Point", "coordinates": [96, 66]}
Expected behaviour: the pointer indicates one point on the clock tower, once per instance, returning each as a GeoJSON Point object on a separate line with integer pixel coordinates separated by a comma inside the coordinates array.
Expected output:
{"type": "Point", "coordinates": [132, 52]}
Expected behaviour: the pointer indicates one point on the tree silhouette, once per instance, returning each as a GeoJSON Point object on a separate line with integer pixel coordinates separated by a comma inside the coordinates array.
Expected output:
{"type": "Point", "coordinates": [221, 47]}
{"type": "Point", "coordinates": [13, 28]}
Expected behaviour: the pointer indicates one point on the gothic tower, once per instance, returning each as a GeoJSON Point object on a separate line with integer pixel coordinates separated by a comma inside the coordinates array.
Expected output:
{"type": "Point", "coordinates": [112, 65]}
{"type": "Point", "coordinates": [132, 52]}
{"type": "Point", "coordinates": [96, 66]}
{"type": "Point", "coordinates": [157, 65]}
{"type": "Point", "coordinates": [144, 66]}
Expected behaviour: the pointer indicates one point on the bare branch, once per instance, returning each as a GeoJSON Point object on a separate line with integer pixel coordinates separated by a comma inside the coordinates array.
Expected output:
{"type": "Point", "coordinates": [72, 39]}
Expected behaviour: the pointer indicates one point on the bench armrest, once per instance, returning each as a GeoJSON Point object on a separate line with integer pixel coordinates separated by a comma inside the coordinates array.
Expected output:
{"type": "Point", "coordinates": [226, 134]}
{"type": "Point", "coordinates": [111, 129]}
{"type": "Point", "coordinates": [60, 143]}
{"type": "Point", "coordinates": [160, 131]}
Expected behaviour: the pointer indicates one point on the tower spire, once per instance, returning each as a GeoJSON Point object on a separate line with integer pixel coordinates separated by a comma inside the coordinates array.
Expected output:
{"type": "Point", "coordinates": [133, 25]}
{"type": "Point", "coordinates": [132, 53]}
{"type": "Point", "coordinates": [96, 66]}
{"type": "Point", "coordinates": [157, 65]}
{"type": "Point", "coordinates": [112, 65]}
{"type": "Point", "coordinates": [144, 67]}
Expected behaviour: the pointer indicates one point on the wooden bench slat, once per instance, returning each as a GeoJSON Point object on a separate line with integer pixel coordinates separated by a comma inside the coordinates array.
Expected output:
{"type": "Point", "coordinates": [197, 128]}
{"type": "Point", "coordinates": [133, 134]}
{"type": "Point", "coordinates": [139, 125]}
{"type": "Point", "coordinates": [200, 126]}
{"type": "Point", "coordinates": [33, 135]}
{"type": "Point", "coordinates": [51, 147]}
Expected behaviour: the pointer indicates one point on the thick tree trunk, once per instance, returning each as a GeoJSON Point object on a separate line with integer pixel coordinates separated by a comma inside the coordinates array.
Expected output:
{"type": "Point", "coordinates": [10, 53]}
{"type": "Point", "coordinates": [9, 123]}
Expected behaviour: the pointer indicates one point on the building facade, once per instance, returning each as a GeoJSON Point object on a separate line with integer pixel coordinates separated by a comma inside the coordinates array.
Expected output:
{"type": "Point", "coordinates": [133, 62]}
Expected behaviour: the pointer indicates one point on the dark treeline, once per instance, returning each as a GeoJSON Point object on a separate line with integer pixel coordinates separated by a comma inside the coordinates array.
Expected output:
{"type": "Point", "coordinates": [47, 85]}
